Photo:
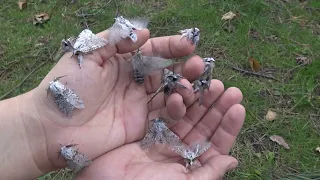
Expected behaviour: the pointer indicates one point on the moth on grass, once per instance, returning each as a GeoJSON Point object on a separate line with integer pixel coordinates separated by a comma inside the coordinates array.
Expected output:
{"type": "Point", "coordinates": [170, 82]}
{"type": "Point", "coordinates": [147, 65]}
{"type": "Point", "coordinates": [65, 98]}
{"type": "Point", "coordinates": [85, 43]}
{"type": "Point", "coordinates": [124, 28]}
{"type": "Point", "coordinates": [192, 35]}
{"type": "Point", "coordinates": [75, 160]}
{"type": "Point", "coordinates": [159, 133]}
{"type": "Point", "coordinates": [191, 152]}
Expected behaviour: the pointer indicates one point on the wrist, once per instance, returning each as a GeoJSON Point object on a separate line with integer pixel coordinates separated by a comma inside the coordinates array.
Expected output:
{"type": "Point", "coordinates": [23, 142]}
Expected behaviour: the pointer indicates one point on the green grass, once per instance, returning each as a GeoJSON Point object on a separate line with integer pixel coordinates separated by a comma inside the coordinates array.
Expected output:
{"type": "Point", "coordinates": [296, 98]}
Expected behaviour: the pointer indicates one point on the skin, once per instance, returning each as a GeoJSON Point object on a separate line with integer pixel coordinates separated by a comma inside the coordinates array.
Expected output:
{"type": "Point", "coordinates": [115, 118]}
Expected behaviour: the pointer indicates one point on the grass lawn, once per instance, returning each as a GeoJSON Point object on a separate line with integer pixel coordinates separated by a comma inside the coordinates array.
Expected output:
{"type": "Point", "coordinates": [274, 32]}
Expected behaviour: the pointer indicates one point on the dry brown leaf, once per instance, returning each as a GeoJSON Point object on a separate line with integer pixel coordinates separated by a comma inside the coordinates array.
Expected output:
{"type": "Point", "coordinates": [271, 115]}
{"type": "Point", "coordinates": [254, 64]}
{"type": "Point", "coordinates": [318, 149]}
{"type": "Point", "coordinates": [280, 141]}
{"type": "Point", "coordinates": [40, 18]}
{"type": "Point", "coordinates": [228, 16]}
{"type": "Point", "coordinates": [22, 4]}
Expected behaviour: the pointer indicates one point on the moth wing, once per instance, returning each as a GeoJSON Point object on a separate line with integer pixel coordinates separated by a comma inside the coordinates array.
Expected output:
{"type": "Point", "coordinates": [172, 139]}
{"type": "Point", "coordinates": [148, 140]}
{"type": "Point", "coordinates": [180, 150]}
{"type": "Point", "coordinates": [152, 64]}
{"type": "Point", "coordinates": [87, 41]}
{"type": "Point", "coordinates": [139, 23]}
{"type": "Point", "coordinates": [114, 34]}
{"type": "Point", "coordinates": [73, 98]}
{"type": "Point", "coordinates": [95, 42]}
{"type": "Point", "coordinates": [79, 161]}
{"type": "Point", "coordinates": [203, 147]}
{"type": "Point", "coordinates": [65, 107]}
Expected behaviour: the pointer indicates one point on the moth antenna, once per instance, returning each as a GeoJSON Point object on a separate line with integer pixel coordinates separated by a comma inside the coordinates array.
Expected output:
{"type": "Point", "coordinates": [57, 78]}
{"type": "Point", "coordinates": [47, 92]}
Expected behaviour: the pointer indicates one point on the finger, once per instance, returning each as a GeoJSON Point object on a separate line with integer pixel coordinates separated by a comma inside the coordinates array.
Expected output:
{"type": "Point", "coordinates": [191, 69]}
{"type": "Point", "coordinates": [196, 112]}
{"type": "Point", "coordinates": [228, 130]}
{"type": "Point", "coordinates": [124, 46]}
{"type": "Point", "coordinates": [173, 112]}
{"type": "Point", "coordinates": [167, 47]}
{"type": "Point", "coordinates": [215, 168]}
{"type": "Point", "coordinates": [208, 125]}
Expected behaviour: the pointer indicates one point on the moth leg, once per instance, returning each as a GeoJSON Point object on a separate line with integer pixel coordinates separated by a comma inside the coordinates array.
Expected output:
{"type": "Point", "coordinates": [201, 98]}
{"type": "Point", "coordinates": [180, 85]}
{"type": "Point", "coordinates": [80, 60]}
{"type": "Point", "coordinates": [157, 92]}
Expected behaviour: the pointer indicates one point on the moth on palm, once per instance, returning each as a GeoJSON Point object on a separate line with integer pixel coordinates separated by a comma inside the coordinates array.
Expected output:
{"type": "Point", "coordinates": [75, 160]}
{"type": "Point", "coordinates": [159, 133]}
{"type": "Point", "coordinates": [170, 82]}
{"type": "Point", "coordinates": [65, 98]}
{"type": "Point", "coordinates": [84, 44]}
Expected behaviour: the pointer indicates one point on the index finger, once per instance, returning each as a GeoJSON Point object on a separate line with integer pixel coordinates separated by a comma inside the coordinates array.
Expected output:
{"type": "Point", "coordinates": [168, 47]}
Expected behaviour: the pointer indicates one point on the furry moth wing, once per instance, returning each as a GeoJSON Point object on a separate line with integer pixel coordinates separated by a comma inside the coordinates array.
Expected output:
{"type": "Point", "coordinates": [87, 41]}
{"type": "Point", "coordinates": [79, 161]}
{"type": "Point", "coordinates": [64, 106]}
{"type": "Point", "coordinates": [139, 23]}
{"type": "Point", "coordinates": [148, 140]}
{"type": "Point", "coordinates": [147, 65]}
{"type": "Point", "coordinates": [73, 98]}
{"type": "Point", "coordinates": [202, 147]}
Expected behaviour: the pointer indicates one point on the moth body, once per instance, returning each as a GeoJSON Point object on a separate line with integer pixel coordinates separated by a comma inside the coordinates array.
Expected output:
{"type": "Point", "coordinates": [146, 65]}
{"type": "Point", "coordinates": [192, 34]}
{"type": "Point", "coordinates": [191, 153]}
{"type": "Point", "coordinates": [169, 82]}
{"type": "Point", "coordinates": [75, 160]}
{"type": "Point", "coordinates": [84, 44]}
{"type": "Point", "coordinates": [64, 97]}
{"type": "Point", "coordinates": [159, 133]}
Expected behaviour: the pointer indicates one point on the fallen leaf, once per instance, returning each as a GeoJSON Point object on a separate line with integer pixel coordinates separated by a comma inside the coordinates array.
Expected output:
{"type": "Point", "coordinates": [318, 149]}
{"type": "Point", "coordinates": [254, 64]}
{"type": "Point", "coordinates": [228, 16]}
{"type": "Point", "coordinates": [22, 4]}
{"type": "Point", "coordinates": [40, 18]}
{"type": "Point", "coordinates": [301, 60]}
{"type": "Point", "coordinates": [271, 115]}
{"type": "Point", "coordinates": [279, 140]}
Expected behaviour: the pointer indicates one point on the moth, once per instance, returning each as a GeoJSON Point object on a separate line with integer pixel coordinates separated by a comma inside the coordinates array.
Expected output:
{"type": "Point", "coordinates": [192, 34]}
{"type": "Point", "coordinates": [200, 85]}
{"type": "Point", "coordinates": [159, 133]}
{"type": "Point", "coordinates": [123, 28]}
{"type": "Point", "coordinates": [209, 64]}
{"type": "Point", "coordinates": [146, 65]}
{"type": "Point", "coordinates": [192, 152]}
{"type": "Point", "coordinates": [75, 160]}
{"type": "Point", "coordinates": [85, 43]}
{"type": "Point", "coordinates": [65, 98]}
{"type": "Point", "coordinates": [170, 82]}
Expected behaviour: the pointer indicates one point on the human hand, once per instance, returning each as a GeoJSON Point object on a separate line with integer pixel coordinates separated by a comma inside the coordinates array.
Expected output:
{"type": "Point", "coordinates": [221, 124]}
{"type": "Point", "coordinates": [116, 108]}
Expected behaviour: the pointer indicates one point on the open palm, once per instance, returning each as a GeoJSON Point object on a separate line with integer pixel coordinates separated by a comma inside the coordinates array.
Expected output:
{"type": "Point", "coordinates": [116, 107]}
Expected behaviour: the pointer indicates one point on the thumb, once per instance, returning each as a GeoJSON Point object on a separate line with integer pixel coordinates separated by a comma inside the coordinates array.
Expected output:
{"type": "Point", "coordinates": [215, 168]}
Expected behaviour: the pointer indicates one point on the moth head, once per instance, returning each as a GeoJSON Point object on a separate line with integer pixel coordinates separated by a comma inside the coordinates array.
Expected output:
{"type": "Point", "coordinates": [209, 59]}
